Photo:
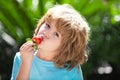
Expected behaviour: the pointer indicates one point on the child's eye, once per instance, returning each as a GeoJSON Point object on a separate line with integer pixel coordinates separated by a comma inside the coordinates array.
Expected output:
{"type": "Point", "coordinates": [56, 34]}
{"type": "Point", "coordinates": [47, 25]}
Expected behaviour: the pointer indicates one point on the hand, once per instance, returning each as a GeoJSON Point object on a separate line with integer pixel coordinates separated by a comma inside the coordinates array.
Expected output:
{"type": "Point", "coordinates": [27, 52]}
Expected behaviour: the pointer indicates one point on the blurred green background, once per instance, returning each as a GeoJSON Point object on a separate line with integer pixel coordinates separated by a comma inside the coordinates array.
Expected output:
{"type": "Point", "coordinates": [18, 19]}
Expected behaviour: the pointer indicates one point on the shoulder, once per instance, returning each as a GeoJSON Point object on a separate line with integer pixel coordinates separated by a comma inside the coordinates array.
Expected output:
{"type": "Point", "coordinates": [77, 73]}
{"type": "Point", "coordinates": [17, 57]}
{"type": "Point", "coordinates": [16, 65]}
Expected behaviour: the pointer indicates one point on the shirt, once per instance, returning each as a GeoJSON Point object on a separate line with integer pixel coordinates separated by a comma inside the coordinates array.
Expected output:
{"type": "Point", "coordinates": [44, 70]}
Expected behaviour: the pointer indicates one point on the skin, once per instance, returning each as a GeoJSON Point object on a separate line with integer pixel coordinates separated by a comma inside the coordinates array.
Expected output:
{"type": "Point", "coordinates": [47, 49]}
{"type": "Point", "coordinates": [51, 41]}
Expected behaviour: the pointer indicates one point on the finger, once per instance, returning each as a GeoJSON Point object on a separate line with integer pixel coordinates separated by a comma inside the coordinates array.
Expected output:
{"type": "Point", "coordinates": [27, 45]}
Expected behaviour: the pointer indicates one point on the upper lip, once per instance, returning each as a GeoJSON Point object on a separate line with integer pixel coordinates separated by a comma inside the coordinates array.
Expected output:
{"type": "Point", "coordinates": [42, 36]}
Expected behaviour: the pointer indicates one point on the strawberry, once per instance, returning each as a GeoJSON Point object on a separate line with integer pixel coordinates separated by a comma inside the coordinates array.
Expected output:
{"type": "Point", "coordinates": [37, 39]}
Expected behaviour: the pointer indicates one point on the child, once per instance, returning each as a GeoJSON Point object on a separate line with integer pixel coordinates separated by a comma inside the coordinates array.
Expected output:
{"type": "Point", "coordinates": [63, 48]}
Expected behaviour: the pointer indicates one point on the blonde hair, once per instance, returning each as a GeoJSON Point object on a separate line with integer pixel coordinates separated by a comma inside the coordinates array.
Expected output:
{"type": "Point", "coordinates": [75, 32]}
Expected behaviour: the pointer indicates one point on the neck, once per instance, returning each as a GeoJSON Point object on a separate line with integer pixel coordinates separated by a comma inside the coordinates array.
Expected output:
{"type": "Point", "coordinates": [44, 55]}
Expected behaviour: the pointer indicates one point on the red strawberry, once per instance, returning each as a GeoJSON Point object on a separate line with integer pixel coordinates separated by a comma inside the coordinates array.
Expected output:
{"type": "Point", "coordinates": [37, 39]}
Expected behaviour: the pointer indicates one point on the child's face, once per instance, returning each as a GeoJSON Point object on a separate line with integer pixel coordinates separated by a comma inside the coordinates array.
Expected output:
{"type": "Point", "coordinates": [51, 37]}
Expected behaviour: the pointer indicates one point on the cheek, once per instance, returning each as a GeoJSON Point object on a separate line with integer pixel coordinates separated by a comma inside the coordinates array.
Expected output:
{"type": "Point", "coordinates": [54, 44]}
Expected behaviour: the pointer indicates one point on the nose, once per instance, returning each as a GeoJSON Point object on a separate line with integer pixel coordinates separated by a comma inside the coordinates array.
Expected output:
{"type": "Point", "coordinates": [46, 34]}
